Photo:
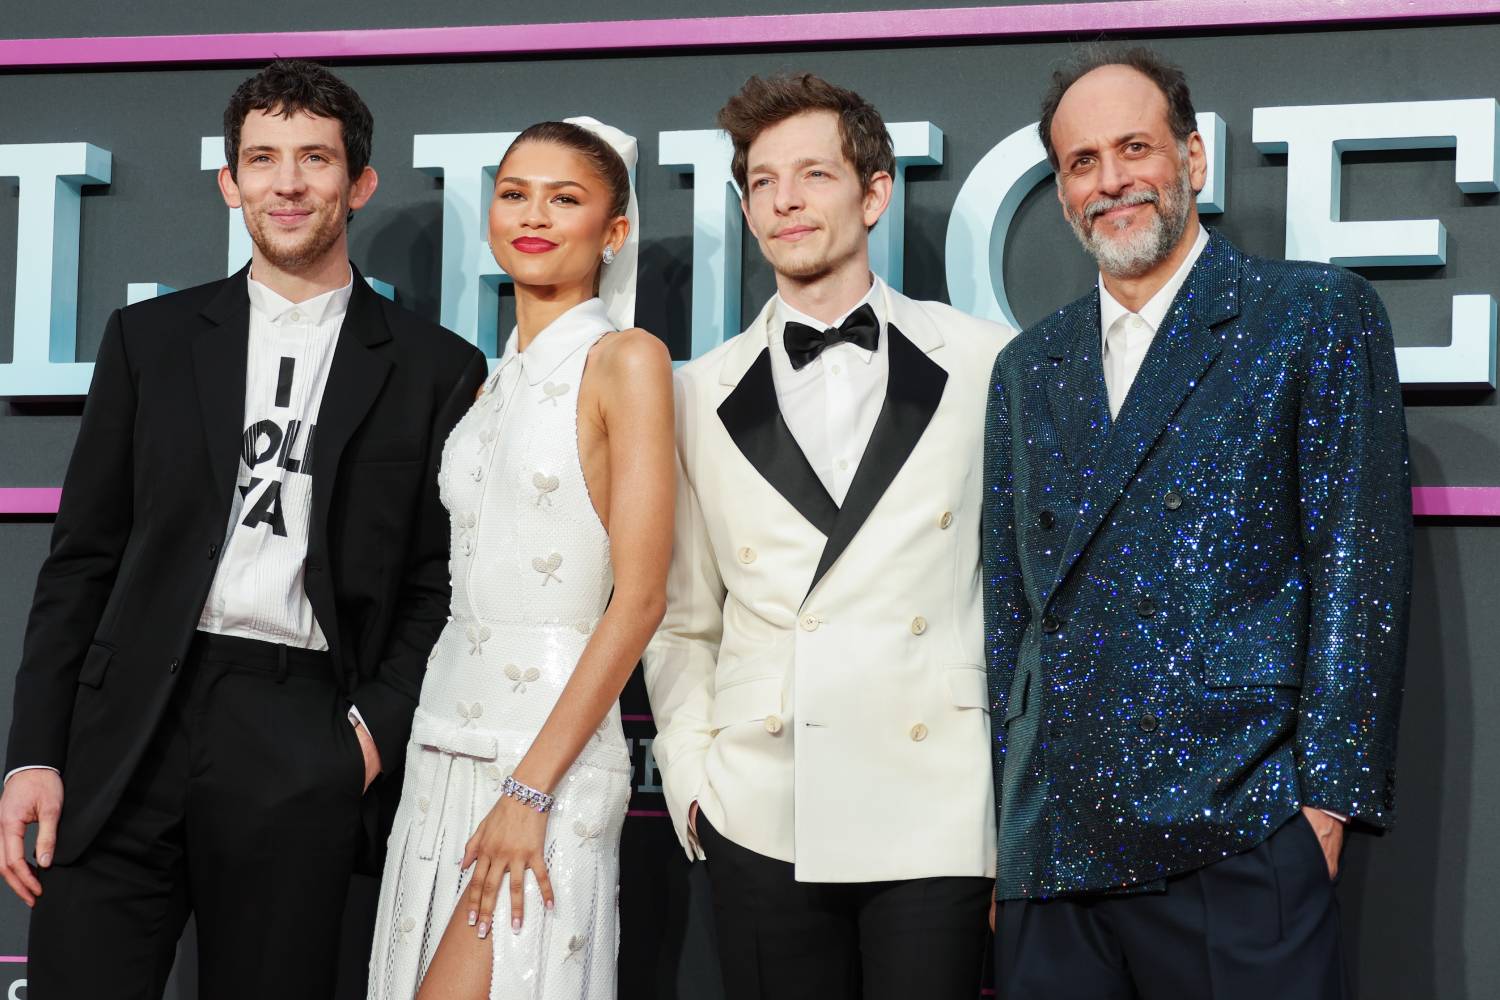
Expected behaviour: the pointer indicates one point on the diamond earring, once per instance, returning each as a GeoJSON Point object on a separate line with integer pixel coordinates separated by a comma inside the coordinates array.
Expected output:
{"type": "Point", "coordinates": [609, 255]}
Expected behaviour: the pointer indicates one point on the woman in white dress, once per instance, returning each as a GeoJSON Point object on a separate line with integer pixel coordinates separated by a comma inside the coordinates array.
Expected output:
{"type": "Point", "coordinates": [502, 871]}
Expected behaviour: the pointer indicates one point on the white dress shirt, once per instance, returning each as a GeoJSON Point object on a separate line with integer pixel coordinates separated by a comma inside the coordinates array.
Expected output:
{"type": "Point", "coordinates": [1127, 335]}
{"type": "Point", "coordinates": [830, 405]}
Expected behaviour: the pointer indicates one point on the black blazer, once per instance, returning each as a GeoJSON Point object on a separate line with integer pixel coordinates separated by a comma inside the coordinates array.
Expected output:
{"type": "Point", "coordinates": [144, 509]}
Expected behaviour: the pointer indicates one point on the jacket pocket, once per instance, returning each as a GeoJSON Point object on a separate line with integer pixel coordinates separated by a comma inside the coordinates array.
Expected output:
{"type": "Point", "coordinates": [969, 687]}
{"type": "Point", "coordinates": [95, 665]}
{"type": "Point", "coordinates": [1264, 667]}
{"type": "Point", "coordinates": [746, 701]}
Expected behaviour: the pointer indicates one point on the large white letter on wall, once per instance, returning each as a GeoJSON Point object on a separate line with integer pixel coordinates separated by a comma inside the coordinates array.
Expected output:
{"type": "Point", "coordinates": [52, 176]}
{"type": "Point", "coordinates": [1314, 139]}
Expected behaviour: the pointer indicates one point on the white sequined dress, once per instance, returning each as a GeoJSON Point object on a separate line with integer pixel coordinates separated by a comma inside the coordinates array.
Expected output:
{"type": "Point", "coordinates": [531, 577]}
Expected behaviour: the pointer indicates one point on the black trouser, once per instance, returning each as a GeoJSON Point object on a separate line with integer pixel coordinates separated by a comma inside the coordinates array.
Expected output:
{"type": "Point", "coordinates": [780, 939]}
{"type": "Point", "coordinates": [1258, 925]}
{"type": "Point", "coordinates": [244, 811]}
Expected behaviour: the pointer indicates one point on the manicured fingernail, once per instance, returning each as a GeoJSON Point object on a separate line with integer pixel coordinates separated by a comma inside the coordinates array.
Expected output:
{"type": "Point", "coordinates": [549, 904]}
{"type": "Point", "coordinates": [515, 926]}
{"type": "Point", "coordinates": [473, 916]}
{"type": "Point", "coordinates": [484, 929]}
{"type": "Point", "coordinates": [45, 860]}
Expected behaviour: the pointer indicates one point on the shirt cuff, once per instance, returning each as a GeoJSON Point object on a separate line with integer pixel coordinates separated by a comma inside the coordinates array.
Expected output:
{"type": "Point", "coordinates": [31, 767]}
{"type": "Point", "coordinates": [1329, 812]}
{"type": "Point", "coordinates": [355, 719]}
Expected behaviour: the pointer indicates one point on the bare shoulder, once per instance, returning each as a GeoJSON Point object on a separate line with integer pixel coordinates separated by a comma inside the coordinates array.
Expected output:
{"type": "Point", "coordinates": [632, 354]}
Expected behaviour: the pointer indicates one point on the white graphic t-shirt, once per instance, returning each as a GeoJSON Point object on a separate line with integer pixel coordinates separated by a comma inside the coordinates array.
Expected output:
{"type": "Point", "coordinates": [258, 592]}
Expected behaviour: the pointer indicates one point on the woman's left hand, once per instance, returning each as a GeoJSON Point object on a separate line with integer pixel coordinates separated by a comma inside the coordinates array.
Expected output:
{"type": "Point", "coordinates": [509, 840]}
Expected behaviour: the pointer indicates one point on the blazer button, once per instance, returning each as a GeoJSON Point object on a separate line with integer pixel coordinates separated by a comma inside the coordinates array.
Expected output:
{"type": "Point", "coordinates": [172, 667]}
{"type": "Point", "coordinates": [1050, 624]}
{"type": "Point", "coordinates": [809, 623]}
{"type": "Point", "coordinates": [747, 555]}
{"type": "Point", "coordinates": [1047, 520]}
{"type": "Point", "coordinates": [946, 521]}
{"type": "Point", "coordinates": [918, 733]}
{"type": "Point", "coordinates": [1172, 500]}
{"type": "Point", "coordinates": [1149, 722]}
{"type": "Point", "coordinates": [918, 625]}
{"type": "Point", "coordinates": [773, 724]}
{"type": "Point", "coordinates": [1145, 607]}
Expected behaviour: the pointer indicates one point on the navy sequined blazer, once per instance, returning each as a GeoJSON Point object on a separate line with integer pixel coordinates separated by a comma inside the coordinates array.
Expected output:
{"type": "Point", "coordinates": [1195, 614]}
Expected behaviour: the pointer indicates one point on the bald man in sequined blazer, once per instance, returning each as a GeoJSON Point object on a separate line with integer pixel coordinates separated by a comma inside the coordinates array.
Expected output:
{"type": "Point", "coordinates": [1197, 548]}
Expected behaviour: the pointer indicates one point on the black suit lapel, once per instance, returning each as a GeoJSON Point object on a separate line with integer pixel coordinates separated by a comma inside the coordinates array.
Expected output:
{"type": "Point", "coordinates": [220, 355]}
{"type": "Point", "coordinates": [1180, 353]}
{"type": "Point", "coordinates": [753, 419]}
{"type": "Point", "coordinates": [913, 389]}
{"type": "Point", "coordinates": [358, 372]}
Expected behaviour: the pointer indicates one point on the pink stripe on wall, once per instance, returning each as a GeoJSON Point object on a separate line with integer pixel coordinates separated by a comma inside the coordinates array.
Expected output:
{"type": "Point", "coordinates": [1427, 501]}
{"type": "Point", "coordinates": [939, 24]}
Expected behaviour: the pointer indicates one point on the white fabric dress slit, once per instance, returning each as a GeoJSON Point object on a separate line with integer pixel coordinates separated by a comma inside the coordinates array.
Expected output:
{"type": "Point", "coordinates": [531, 577]}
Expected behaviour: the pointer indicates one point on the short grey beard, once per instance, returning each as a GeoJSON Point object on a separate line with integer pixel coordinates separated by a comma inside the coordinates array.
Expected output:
{"type": "Point", "coordinates": [1133, 256]}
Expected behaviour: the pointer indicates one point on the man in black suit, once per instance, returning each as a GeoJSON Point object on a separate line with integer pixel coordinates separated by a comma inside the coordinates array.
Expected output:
{"type": "Point", "coordinates": [231, 628]}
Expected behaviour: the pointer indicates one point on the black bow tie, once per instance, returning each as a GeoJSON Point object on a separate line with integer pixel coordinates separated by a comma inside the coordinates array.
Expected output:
{"type": "Point", "coordinates": [804, 343]}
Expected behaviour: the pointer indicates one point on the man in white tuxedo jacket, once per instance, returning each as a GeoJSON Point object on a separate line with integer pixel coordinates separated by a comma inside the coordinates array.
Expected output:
{"type": "Point", "coordinates": [818, 681]}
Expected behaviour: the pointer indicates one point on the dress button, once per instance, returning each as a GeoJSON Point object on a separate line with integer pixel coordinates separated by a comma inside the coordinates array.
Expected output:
{"type": "Point", "coordinates": [1050, 624]}
{"type": "Point", "coordinates": [773, 724]}
{"type": "Point", "coordinates": [946, 521]}
{"type": "Point", "coordinates": [1172, 500]}
{"type": "Point", "coordinates": [1145, 607]}
{"type": "Point", "coordinates": [172, 667]}
{"type": "Point", "coordinates": [1047, 520]}
{"type": "Point", "coordinates": [809, 623]}
{"type": "Point", "coordinates": [477, 473]}
{"type": "Point", "coordinates": [295, 317]}
{"type": "Point", "coordinates": [843, 464]}
{"type": "Point", "coordinates": [918, 733]}
{"type": "Point", "coordinates": [747, 555]}
{"type": "Point", "coordinates": [918, 625]}
{"type": "Point", "coordinates": [1149, 722]}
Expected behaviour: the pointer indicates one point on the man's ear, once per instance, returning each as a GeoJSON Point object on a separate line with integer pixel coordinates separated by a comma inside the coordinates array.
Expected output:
{"type": "Point", "coordinates": [877, 197]}
{"type": "Point", "coordinates": [228, 188]}
{"type": "Point", "coordinates": [363, 189]}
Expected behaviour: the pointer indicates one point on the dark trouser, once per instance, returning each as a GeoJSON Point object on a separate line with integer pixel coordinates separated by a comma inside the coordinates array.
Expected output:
{"type": "Point", "coordinates": [1263, 924]}
{"type": "Point", "coordinates": [780, 939]}
{"type": "Point", "coordinates": [244, 811]}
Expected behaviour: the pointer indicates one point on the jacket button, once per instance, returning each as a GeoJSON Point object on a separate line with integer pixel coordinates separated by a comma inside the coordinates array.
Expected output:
{"type": "Point", "coordinates": [172, 667]}
{"type": "Point", "coordinates": [747, 555]}
{"type": "Point", "coordinates": [809, 623]}
{"type": "Point", "coordinates": [918, 625]}
{"type": "Point", "coordinates": [1145, 607]}
{"type": "Point", "coordinates": [1149, 722]}
{"type": "Point", "coordinates": [1047, 520]}
{"type": "Point", "coordinates": [773, 724]}
{"type": "Point", "coordinates": [918, 733]}
{"type": "Point", "coordinates": [213, 551]}
{"type": "Point", "coordinates": [946, 521]}
{"type": "Point", "coordinates": [1050, 624]}
{"type": "Point", "coordinates": [1172, 500]}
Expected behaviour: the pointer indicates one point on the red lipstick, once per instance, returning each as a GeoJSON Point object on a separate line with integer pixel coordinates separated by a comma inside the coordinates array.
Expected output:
{"type": "Point", "coordinates": [532, 244]}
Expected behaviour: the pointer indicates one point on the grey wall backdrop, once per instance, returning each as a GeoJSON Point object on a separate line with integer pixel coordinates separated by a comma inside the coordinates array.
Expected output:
{"type": "Point", "coordinates": [1422, 915]}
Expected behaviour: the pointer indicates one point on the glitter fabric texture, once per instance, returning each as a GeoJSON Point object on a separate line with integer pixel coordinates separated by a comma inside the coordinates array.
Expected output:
{"type": "Point", "coordinates": [1195, 614]}
{"type": "Point", "coordinates": [531, 577]}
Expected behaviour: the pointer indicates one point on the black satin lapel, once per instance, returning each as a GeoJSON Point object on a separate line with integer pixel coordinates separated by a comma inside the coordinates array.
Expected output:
{"type": "Point", "coordinates": [1076, 391]}
{"type": "Point", "coordinates": [220, 356]}
{"type": "Point", "coordinates": [355, 379]}
{"type": "Point", "coordinates": [913, 390]}
{"type": "Point", "coordinates": [753, 419]}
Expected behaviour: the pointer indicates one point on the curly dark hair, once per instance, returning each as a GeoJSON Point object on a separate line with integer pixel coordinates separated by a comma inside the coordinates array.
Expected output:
{"type": "Point", "coordinates": [1167, 77]}
{"type": "Point", "coordinates": [289, 86]}
{"type": "Point", "coordinates": [766, 101]}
